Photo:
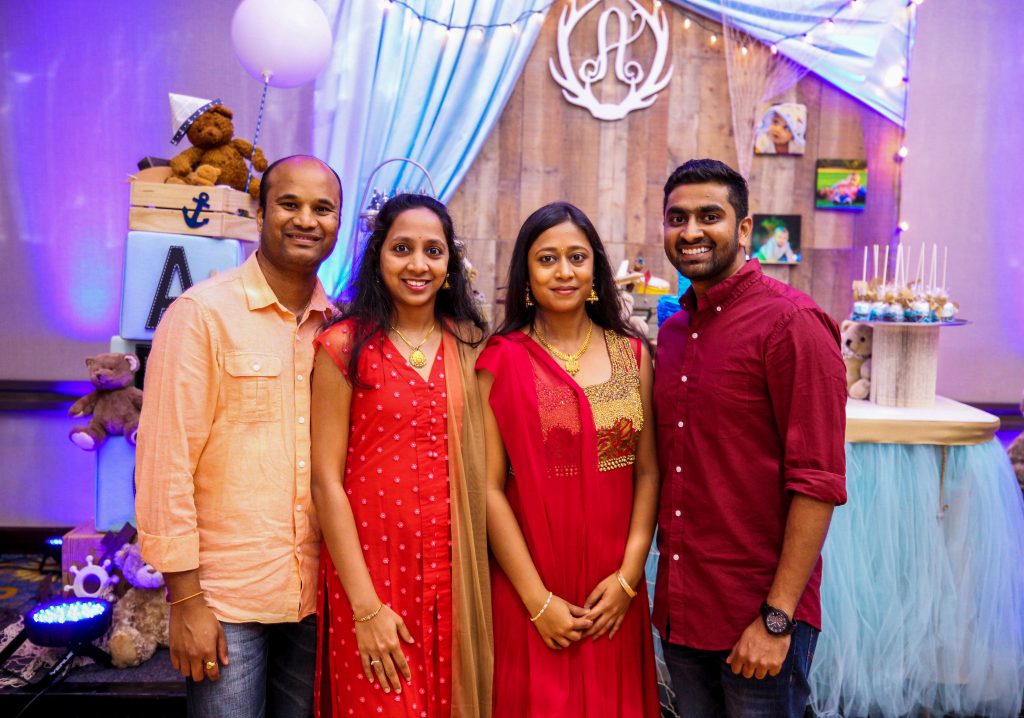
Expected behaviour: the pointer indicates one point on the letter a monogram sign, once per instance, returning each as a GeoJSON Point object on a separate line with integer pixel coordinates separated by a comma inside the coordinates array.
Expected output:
{"type": "Point", "coordinates": [617, 30]}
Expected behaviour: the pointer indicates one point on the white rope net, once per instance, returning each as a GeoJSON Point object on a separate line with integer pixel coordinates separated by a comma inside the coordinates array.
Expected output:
{"type": "Point", "coordinates": [756, 75]}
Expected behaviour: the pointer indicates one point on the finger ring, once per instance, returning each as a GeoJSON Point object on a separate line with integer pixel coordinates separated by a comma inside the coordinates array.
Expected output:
{"type": "Point", "coordinates": [210, 665]}
{"type": "Point", "coordinates": [375, 662]}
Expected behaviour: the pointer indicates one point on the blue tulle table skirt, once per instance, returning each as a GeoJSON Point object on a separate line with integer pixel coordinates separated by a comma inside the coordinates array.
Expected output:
{"type": "Point", "coordinates": [923, 586]}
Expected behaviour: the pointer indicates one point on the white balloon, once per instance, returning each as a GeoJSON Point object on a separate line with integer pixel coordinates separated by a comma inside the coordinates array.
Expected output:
{"type": "Point", "coordinates": [287, 40]}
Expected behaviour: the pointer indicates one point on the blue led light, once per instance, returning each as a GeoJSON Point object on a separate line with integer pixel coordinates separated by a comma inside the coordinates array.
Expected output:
{"type": "Point", "coordinates": [68, 622]}
{"type": "Point", "coordinates": [55, 541]}
{"type": "Point", "coordinates": [69, 612]}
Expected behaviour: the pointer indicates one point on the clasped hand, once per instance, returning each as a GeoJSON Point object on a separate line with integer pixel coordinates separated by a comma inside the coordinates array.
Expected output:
{"type": "Point", "coordinates": [564, 623]}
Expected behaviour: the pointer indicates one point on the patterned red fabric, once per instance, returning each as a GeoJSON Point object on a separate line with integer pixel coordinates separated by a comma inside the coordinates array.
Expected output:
{"type": "Point", "coordinates": [575, 520]}
{"type": "Point", "coordinates": [396, 479]}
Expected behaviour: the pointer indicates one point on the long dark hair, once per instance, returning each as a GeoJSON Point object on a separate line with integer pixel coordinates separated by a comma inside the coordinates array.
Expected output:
{"type": "Point", "coordinates": [372, 306]}
{"type": "Point", "coordinates": [606, 312]}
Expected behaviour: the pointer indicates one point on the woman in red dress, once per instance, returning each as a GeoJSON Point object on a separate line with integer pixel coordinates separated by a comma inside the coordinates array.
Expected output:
{"type": "Point", "coordinates": [572, 483]}
{"type": "Point", "coordinates": [397, 481]}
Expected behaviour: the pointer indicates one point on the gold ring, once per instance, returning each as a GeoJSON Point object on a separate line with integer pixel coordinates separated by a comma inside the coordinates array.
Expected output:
{"type": "Point", "coordinates": [375, 662]}
{"type": "Point", "coordinates": [210, 665]}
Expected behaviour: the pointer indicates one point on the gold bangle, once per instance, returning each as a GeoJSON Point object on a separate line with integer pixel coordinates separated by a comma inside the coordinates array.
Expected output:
{"type": "Point", "coordinates": [182, 600]}
{"type": "Point", "coordinates": [533, 619]}
{"type": "Point", "coordinates": [625, 585]}
{"type": "Point", "coordinates": [369, 616]}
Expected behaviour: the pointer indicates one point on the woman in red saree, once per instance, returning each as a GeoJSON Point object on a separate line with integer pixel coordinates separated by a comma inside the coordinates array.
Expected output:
{"type": "Point", "coordinates": [397, 467]}
{"type": "Point", "coordinates": [572, 483]}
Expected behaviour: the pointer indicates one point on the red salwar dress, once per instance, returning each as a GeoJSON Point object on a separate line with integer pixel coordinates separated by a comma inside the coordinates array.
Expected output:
{"type": "Point", "coordinates": [396, 480]}
{"type": "Point", "coordinates": [570, 484]}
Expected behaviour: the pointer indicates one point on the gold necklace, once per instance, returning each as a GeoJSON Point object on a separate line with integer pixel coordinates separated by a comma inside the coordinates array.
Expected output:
{"type": "Point", "coordinates": [572, 361]}
{"type": "Point", "coordinates": [417, 358]}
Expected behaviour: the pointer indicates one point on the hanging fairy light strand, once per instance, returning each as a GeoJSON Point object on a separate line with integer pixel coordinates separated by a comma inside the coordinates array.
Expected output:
{"type": "Point", "coordinates": [512, 24]}
{"type": "Point", "coordinates": [903, 152]}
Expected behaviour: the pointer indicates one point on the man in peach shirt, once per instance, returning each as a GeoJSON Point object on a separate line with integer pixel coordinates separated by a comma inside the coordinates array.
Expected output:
{"type": "Point", "coordinates": [223, 503]}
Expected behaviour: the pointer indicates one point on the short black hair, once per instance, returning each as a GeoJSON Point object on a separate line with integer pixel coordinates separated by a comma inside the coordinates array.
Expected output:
{"type": "Point", "coordinates": [264, 182]}
{"type": "Point", "coordinates": [707, 170]}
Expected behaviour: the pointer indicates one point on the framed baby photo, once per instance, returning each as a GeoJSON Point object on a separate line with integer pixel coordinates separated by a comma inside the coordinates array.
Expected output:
{"type": "Point", "coordinates": [782, 130]}
{"type": "Point", "coordinates": [776, 238]}
{"type": "Point", "coordinates": [841, 184]}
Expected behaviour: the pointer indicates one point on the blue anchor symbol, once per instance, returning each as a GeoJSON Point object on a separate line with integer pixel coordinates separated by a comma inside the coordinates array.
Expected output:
{"type": "Point", "coordinates": [193, 221]}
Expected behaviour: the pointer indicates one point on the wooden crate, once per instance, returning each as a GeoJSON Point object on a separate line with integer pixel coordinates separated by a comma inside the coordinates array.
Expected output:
{"type": "Point", "coordinates": [171, 208]}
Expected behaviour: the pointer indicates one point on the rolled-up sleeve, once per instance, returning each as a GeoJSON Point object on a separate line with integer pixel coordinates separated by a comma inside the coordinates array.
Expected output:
{"type": "Point", "coordinates": [807, 385]}
{"type": "Point", "coordinates": [179, 402]}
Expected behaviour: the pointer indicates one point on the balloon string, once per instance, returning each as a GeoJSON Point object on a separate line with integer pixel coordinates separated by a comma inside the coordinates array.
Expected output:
{"type": "Point", "coordinates": [259, 125]}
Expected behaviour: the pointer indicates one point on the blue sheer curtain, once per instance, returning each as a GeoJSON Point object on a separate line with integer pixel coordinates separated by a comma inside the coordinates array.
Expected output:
{"type": "Point", "coordinates": [398, 86]}
{"type": "Point", "coordinates": [865, 55]}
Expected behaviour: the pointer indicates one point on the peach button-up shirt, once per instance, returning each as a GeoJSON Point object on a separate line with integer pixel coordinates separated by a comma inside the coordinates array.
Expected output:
{"type": "Point", "coordinates": [223, 463]}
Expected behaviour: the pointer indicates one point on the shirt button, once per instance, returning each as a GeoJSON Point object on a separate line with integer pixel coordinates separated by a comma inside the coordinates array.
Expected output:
{"type": "Point", "coordinates": [298, 507]}
{"type": "Point", "coordinates": [298, 377]}
{"type": "Point", "coordinates": [681, 424]}
{"type": "Point", "coordinates": [678, 512]}
{"type": "Point", "coordinates": [302, 463]}
{"type": "Point", "coordinates": [679, 469]}
{"type": "Point", "coordinates": [683, 378]}
{"type": "Point", "coordinates": [718, 309]}
{"type": "Point", "coordinates": [302, 420]}
{"type": "Point", "coordinates": [694, 335]}
{"type": "Point", "coordinates": [256, 366]}
{"type": "Point", "coordinates": [675, 557]}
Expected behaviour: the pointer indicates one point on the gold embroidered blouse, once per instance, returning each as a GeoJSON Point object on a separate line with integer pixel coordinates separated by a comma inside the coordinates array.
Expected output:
{"type": "Point", "coordinates": [616, 406]}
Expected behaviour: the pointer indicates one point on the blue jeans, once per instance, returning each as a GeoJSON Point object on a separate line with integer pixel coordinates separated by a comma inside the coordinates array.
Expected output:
{"type": "Point", "coordinates": [270, 673]}
{"type": "Point", "coordinates": [706, 687]}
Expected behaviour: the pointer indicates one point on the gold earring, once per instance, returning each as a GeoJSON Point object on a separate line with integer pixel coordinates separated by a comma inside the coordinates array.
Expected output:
{"type": "Point", "coordinates": [529, 299]}
{"type": "Point", "coordinates": [593, 296]}
{"type": "Point", "coordinates": [446, 285]}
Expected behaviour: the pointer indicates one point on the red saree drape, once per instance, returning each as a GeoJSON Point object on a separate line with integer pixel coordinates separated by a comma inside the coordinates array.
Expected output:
{"type": "Point", "coordinates": [575, 520]}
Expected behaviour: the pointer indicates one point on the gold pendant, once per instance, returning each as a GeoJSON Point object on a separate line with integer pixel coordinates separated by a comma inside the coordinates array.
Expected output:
{"type": "Point", "coordinates": [572, 365]}
{"type": "Point", "coordinates": [417, 359]}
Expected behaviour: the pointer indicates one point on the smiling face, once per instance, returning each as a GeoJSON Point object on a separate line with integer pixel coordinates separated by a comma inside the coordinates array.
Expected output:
{"type": "Point", "coordinates": [414, 258]}
{"type": "Point", "coordinates": [299, 225]}
{"type": "Point", "coordinates": [561, 268]}
{"type": "Point", "coordinates": [703, 238]}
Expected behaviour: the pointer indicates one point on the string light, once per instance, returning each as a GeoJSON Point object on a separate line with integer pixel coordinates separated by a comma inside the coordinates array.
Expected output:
{"type": "Point", "coordinates": [686, 23]}
{"type": "Point", "coordinates": [903, 152]}
{"type": "Point", "coordinates": [744, 51]}
{"type": "Point", "coordinates": [713, 39]}
{"type": "Point", "coordinates": [903, 226]}
{"type": "Point", "coordinates": [476, 29]}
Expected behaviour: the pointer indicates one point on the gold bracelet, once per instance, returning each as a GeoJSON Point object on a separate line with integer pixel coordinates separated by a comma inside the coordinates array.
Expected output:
{"type": "Point", "coordinates": [625, 585]}
{"type": "Point", "coordinates": [533, 619]}
{"type": "Point", "coordinates": [369, 616]}
{"type": "Point", "coordinates": [182, 600]}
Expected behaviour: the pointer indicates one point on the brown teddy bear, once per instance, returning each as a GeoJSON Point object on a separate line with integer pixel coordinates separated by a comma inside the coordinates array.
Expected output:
{"type": "Point", "coordinates": [856, 346]}
{"type": "Point", "coordinates": [214, 147]}
{"type": "Point", "coordinates": [139, 623]}
{"type": "Point", "coordinates": [114, 403]}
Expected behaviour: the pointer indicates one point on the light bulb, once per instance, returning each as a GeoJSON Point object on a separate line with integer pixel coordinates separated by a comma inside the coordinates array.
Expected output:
{"type": "Point", "coordinates": [686, 23]}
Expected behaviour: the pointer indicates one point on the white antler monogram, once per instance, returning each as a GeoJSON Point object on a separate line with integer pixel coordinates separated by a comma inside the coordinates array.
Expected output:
{"type": "Point", "coordinates": [577, 88]}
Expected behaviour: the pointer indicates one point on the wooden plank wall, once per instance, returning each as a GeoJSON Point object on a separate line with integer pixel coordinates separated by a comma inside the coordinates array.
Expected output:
{"type": "Point", "coordinates": [544, 149]}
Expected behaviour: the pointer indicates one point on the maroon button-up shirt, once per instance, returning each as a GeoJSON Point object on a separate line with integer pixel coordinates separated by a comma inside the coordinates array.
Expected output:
{"type": "Point", "coordinates": [750, 398]}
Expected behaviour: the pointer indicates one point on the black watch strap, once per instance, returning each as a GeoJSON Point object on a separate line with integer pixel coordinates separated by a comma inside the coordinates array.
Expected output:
{"type": "Point", "coordinates": [776, 621]}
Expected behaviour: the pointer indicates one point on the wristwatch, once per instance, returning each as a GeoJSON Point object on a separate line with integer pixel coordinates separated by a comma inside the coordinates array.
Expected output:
{"type": "Point", "coordinates": [776, 622]}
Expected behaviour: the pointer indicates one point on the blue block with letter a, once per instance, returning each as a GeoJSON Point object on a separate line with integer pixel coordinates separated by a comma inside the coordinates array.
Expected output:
{"type": "Point", "coordinates": [160, 267]}
{"type": "Point", "coordinates": [115, 484]}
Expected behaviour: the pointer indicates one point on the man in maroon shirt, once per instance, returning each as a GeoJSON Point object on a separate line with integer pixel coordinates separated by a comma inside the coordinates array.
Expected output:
{"type": "Point", "coordinates": [750, 394]}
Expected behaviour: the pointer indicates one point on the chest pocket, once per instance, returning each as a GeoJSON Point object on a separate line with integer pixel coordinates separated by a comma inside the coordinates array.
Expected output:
{"type": "Point", "coordinates": [253, 387]}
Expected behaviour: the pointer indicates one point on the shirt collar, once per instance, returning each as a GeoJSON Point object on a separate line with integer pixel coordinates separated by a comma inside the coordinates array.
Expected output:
{"type": "Point", "coordinates": [259, 294]}
{"type": "Point", "coordinates": [725, 292]}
